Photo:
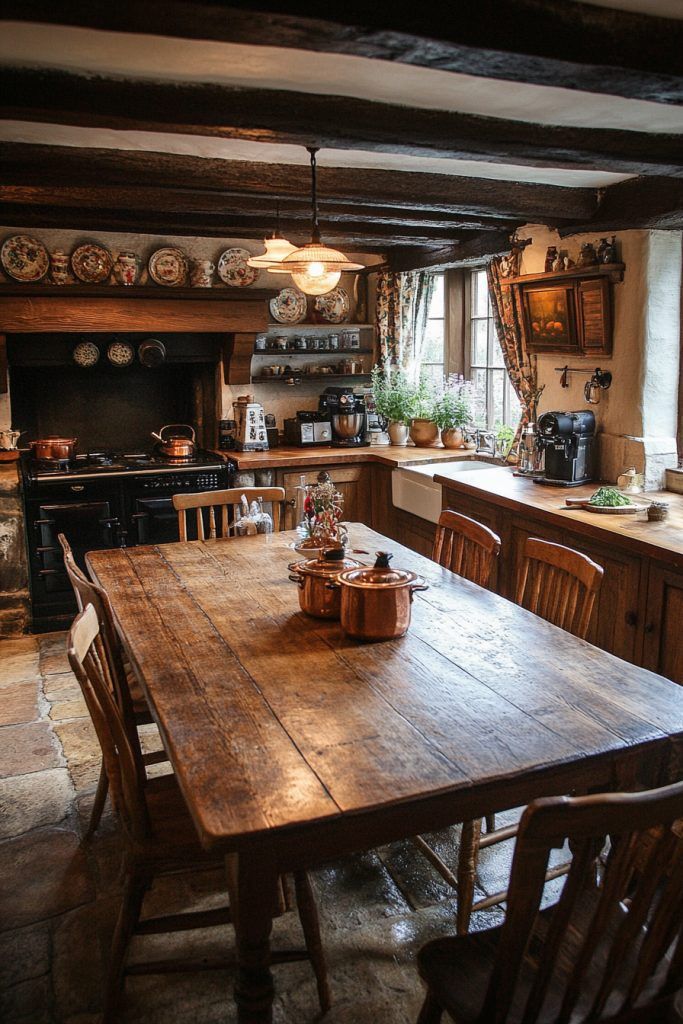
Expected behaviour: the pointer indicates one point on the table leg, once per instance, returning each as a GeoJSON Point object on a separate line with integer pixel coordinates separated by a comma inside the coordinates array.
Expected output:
{"type": "Point", "coordinates": [252, 881]}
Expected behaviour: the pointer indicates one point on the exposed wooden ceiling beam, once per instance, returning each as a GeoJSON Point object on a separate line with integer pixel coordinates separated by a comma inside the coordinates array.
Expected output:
{"type": "Point", "coordinates": [642, 203]}
{"type": "Point", "coordinates": [23, 164]}
{"type": "Point", "coordinates": [547, 42]}
{"type": "Point", "coordinates": [468, 251]}
{"type": "Point", "coordinates": [294, 213]}
{"type": "Point", "coordinates": [335, 122]}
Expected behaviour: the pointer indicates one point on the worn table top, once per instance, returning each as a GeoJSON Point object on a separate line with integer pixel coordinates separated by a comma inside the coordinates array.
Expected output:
{"type": "Point", "coordinates": [499, 485]}
{"type": "Point", "coordinates": [277, 725]}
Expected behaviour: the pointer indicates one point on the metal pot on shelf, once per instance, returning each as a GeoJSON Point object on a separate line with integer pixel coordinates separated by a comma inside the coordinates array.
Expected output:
{"type": "Point", "coordinates": [376, 602]}
{"type": "Point", "coordinates": [314, 576]}
{"type": "Point", "coordinates": [175, 445]}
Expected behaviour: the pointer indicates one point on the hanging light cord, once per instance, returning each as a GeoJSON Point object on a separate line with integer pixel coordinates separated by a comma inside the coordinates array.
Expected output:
{"type": "Point", "coordinates": [315, 233]}
{"type": "Point", "coordinates": [276, 232]}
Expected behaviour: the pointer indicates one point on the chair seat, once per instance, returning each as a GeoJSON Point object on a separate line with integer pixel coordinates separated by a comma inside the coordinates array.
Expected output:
{"type": "Point", "coordinates": [173, 835]}
{"type": "Point", "coordinates": [458, 969]}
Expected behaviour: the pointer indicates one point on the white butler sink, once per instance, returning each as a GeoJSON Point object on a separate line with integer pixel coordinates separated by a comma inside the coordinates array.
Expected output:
{"type": "Point", "coordinates": [414, 489]}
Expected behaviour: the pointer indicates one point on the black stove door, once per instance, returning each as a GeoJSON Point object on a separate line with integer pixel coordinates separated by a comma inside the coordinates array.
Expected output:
{"type": "Point", "coordinates": [154, 521]}
{"type": "Point", "coordinates": [87, 525]}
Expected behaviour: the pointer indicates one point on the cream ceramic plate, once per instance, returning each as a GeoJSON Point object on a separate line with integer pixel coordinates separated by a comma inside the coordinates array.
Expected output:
{"type": "Point", "coordinates": [24, 258]}
{"type": "Point", "coordinates": [91, 264]}
{"type": "Point", "coordinates": [333, 307]}
{"type": "Point", "coordinates": [289, 307]}
{"type": "Point", "coordinates": [168, 267]}
{"type": "Point", "coordinates": [233, 269]}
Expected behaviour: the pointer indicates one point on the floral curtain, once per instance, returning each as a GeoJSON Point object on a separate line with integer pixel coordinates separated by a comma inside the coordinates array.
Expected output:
{"type": "Point", "coordinates": [403, 302]}
{"type": "Point", "coordinates": [520, 365]}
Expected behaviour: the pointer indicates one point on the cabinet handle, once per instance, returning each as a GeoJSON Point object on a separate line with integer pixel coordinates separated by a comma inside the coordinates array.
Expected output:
{"type": "Point", "coordinates": [631, 619]}
{"type": "Point", "coordinates": [649, 627]}
{"type": "Point", "coordinates": [77, 487]}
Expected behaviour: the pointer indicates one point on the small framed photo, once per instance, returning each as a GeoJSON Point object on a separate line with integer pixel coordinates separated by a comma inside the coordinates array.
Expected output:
{"type": "Point", "coordinates": [351, 339]}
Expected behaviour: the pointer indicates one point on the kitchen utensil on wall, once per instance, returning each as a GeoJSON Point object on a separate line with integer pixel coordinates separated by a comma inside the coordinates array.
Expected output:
{"type": "Point", "coordinates": [376, 602]}
{"type": "Point", "coordinates": [152, 352]}
{"type": "Point", "coordinates": [86, 354]}
{"type": "Point", "coordinates": [53, 448]}
{"type": "Point", "coordinates": [176, 445]}
{"type": "Point", "coordinates": [312, 575]}
{"type": "Point", "coordinates": [120, 353]}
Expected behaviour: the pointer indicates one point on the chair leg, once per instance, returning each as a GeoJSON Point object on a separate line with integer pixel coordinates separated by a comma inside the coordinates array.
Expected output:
{"type": "Point", "coordinates": [467, 869]}
{"type": "Point", "coordinates": [308, 915]}
{"type": "Point", "coordinates": [99, 801]}
{"type": "Point", "coordinates": [490, 820]}
{"type": "Point", "coordinates": [129, 915]}
{"type": "Point", "coordinates": [431, 1012]}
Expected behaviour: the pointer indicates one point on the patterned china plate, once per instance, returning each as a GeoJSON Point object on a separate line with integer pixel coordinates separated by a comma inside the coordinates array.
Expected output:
{"type": "Point", "coordinates": [24, 258]}
{"type": "Point", "coordinates": [333, 307]}
{"type": "Point", "coordinates": [233, 269]}
{"type": "Point", "coordinates": [289, 306]}
{"type": "Point", "coordinates": [91, 264]}
{"type": "Point", "coordinates": [168, 267]}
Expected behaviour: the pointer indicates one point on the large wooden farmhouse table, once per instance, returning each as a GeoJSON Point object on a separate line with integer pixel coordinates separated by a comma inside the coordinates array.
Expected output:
{"type": "Point", "coordinates": [293, 744]}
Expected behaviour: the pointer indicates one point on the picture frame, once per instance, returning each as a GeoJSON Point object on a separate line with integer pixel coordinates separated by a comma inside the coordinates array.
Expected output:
{"type": "Point", "coordinates": [549, 317]}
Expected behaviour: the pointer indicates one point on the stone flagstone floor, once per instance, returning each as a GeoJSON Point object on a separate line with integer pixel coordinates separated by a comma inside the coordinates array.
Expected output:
{"type": "Point", "coordinates": [59, 897]}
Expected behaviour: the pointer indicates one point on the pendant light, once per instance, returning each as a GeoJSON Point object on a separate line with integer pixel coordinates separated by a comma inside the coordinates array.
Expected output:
{"type": "Point", "coordinates": [277, 247]}
{"type": "Point", "coordinates": [315, 268]}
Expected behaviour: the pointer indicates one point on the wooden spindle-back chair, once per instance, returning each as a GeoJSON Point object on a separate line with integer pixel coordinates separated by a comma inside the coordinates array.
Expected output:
{"type": "Point", "coordinates": [159, 834]}
{"type": "Point", "coordinates": [609, 953]}
{"type": "Point", "coordinates": [465, 547]}
{"type": "Point", "coordinates": [221, 509]}
{"type": "Point", "coordinates": [559, 584]}
{"type": "Point", "coordinates": [117, 673]}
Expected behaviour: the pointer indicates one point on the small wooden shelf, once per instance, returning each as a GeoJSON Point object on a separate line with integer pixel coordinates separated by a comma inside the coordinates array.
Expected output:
{"type": "Point", "coordinates": [313, 352]}
{"type": "Point", "coordinates": [317, 326]}
{"type": "Point", "coordinates": [615, 272]}
{"type": "Point", "coordinates": [299, 378]}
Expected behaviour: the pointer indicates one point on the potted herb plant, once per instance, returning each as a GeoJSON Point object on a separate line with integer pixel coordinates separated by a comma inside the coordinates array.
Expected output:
{"type": "Point", "coordinates": [454, 410]}
{"type": "Point", "coordinates": [394, 397]}
{"type": "Point", "coordinates": [423, 429]}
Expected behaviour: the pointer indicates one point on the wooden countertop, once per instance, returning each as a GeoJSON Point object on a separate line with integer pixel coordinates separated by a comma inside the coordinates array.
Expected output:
{"type": "Point", "coordinates": [657, 540]}
{"type": "Point", "coordinates": [388, 455]}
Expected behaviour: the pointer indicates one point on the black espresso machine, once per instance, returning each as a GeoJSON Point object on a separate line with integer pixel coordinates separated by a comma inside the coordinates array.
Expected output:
{"type": "Point", "coordinates": [569, 442]}
{"type": "Point", "coordinates": [346, 411]}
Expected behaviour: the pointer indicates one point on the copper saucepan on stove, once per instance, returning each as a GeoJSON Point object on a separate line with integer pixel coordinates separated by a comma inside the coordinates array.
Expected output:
{"type": "Point", "coordinates": [376, 601]}
{"type": "Point", "coordinates": [54, 448]}
{"type": "Point", "coordinates": [176, 445]}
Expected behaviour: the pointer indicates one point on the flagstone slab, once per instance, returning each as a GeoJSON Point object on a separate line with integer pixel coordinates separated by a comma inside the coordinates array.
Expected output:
{"type": "Point", "coordinates": [42, 874]}
{"type": "Point", "coordinates": [19, 702]}
{"type": "Point", "coordinates": [30, 801]}
{"type": "Point", "coordinates": [28, 748]}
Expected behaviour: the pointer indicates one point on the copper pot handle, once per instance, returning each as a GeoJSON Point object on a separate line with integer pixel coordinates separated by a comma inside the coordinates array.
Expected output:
{"type": "Point", "coordinates": [299, 580]}
{"type": "Point", "coordinates": [415, 587]}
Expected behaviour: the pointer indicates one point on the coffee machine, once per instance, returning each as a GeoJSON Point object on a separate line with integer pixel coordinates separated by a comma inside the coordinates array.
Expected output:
{"type": "Point", "coordinates": [568, 440]}
{"type": "Point", "coordinates": [346, 411]}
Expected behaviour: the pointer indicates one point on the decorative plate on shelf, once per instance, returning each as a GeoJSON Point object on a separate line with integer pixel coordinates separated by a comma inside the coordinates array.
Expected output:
{"type": "Point", "coordinates": [24, 258]}
{"type": "Point", "coordinates": [333, 307]}
{"type": "Point", "coordinates": [233, 269]}
{"type": "Point", "coordinates": [168, 267]}
{"type": "Point", "coordinates": [289, 306]}
{"type": "Point", "coordinates": [91, 264]}
{"type": "Point", "coordinates": [86, 353]}
{"type": "Point", "coordinates": [121, 353]}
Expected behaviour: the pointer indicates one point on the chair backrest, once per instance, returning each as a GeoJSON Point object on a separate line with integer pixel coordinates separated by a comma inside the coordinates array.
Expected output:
{"type": "Point", "coordinates": [559, 584]}
{"type": "Point", "coordinates": [88, 593]}
{"type": "Point", "coordinates": [465, 547]}
{"type": "Point", "coordinates": [118, 740]}
{"type": "Point", "coordinates": [605, 948]}
{"type": "Point", "coordinates": [225, 501]}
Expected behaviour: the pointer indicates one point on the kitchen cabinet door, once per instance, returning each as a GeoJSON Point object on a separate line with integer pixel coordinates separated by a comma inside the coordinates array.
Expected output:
{"type": "Point", "coordinates": [614, 623]}
{"type": "Point", "coordinates": [350, 481]}
{"type": "Point", "coordinates": [663, 626]}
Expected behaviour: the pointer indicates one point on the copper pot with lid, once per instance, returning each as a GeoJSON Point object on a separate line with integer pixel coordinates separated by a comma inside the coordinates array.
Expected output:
{"type": "Point", "coordinates": [176, 445]}
{"type": "Point", "coordinates": [54, 448]}
{"type": "Point", "coordinates": [376, 601]}
{"type": "Point", "coordinates": [314, 576]}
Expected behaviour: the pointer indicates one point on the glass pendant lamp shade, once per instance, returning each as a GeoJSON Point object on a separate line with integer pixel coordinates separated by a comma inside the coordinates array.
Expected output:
{"type": "Point", "coordinates": [276, 250]}
{"type": "Point", "coordinates": [315, 267]}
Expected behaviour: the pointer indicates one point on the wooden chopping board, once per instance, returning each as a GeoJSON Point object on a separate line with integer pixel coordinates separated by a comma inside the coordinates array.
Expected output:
{"type": "Point", "coordinates": [613, 510]}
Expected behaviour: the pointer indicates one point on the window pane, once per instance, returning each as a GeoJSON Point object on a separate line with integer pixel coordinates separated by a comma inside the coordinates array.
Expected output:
{"type": "Point", "coordinates": [496, 350]}
{"type": "Point", "coordinates": [432, 346]}
{"type": "Point", "coordinates": [480, 329]}
{"type": "Point", "coordinates": [480, 294]}
{"type": "Point", "coordinates": [513, 406]}
{"type": "Point", "coordinates": [479, 378]}
{"type": "Point", "coordinates": [436, 305]}
{"type": "Point", "coordinates": [497, 413]}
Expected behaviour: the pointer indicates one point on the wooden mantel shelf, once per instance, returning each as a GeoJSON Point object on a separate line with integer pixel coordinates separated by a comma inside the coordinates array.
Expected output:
{"type": "Point", "coordinates": [615, 272]}
{"type": "Point", "coordinates": [93, 291]}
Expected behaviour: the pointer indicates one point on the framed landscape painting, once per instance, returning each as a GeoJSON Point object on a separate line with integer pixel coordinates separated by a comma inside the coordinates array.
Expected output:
{"type": "Point", "coordinates": [549, 316]}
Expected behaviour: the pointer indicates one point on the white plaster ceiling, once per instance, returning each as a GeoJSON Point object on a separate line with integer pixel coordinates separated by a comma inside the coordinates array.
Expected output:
{"type": "Point", "coordinates": [271, 67]}
{"type": "Point", "coordinates": [234, 149]}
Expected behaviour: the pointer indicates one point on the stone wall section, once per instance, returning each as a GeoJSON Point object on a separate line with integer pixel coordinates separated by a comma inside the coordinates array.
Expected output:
{"type": "Point", "coordinates": [14, 596]}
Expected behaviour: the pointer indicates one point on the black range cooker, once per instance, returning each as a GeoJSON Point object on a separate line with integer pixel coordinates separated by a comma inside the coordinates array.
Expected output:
{"type": "Point", "coordinates": [102, 500]}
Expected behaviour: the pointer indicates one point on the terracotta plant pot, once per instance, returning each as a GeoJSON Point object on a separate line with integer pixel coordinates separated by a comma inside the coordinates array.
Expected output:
{"type": "Point", "coordinates": [398, 434]}
{"type": "Point", "coordinates": [423, 432]}
{"type": "Point", "coordinates": [452, 437]}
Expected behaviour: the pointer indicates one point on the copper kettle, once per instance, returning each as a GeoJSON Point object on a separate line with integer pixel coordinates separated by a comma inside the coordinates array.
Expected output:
{"type": "Point", "coordinates": [175, 445]}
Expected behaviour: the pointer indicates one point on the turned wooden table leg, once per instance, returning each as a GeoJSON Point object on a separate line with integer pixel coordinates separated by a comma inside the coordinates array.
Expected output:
{"type": "Point", "coordinates": [253, 885]}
